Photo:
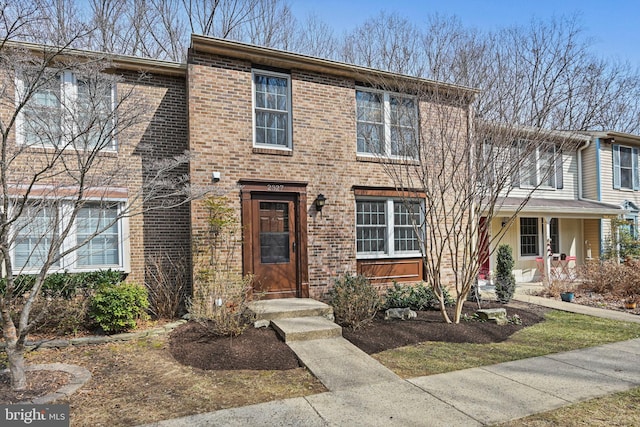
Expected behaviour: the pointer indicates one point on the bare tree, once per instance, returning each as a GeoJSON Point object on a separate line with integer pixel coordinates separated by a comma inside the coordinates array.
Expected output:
{"type": "Point", "coordinates": [68, 174]}
{"type": "Point", "coordinates": [386, 42]}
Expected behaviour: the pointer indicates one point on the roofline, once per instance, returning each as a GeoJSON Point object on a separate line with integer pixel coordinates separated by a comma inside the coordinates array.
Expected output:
{"type": "Point", "coordinates": [523, 131]}
{"type": "Point", "coordinates": [289, 60]}
{"type": "Point", "coordinates": [121, 62]}
{"type": "Point", "coordinates": [626, 137]}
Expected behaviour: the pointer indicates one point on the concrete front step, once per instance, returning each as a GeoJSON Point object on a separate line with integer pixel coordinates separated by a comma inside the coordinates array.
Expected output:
{"type": "Point", "coordinates": [289, 307]}
{"type": "Point", "coordinates": [306, 328]}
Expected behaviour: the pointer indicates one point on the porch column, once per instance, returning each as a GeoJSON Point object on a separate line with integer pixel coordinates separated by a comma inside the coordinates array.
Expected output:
{"type": "Point", "coordinates": [547, 239]}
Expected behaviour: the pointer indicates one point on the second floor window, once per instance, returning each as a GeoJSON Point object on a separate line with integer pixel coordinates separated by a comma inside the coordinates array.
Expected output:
{"type": "Point", "coordinates": [66, 109]}
{"type": "Point", "coordinates": [387, 124]}
{"type": "Point", "coordinates": [540, 166]}
{"type": "Point", "coordinates": [272, 109]}
{"type": "Point", "coordinates": [625, 168]}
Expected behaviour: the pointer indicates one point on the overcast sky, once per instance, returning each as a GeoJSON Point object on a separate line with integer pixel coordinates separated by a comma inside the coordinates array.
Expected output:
{"type": "Point", "coordinates": [613, 25]}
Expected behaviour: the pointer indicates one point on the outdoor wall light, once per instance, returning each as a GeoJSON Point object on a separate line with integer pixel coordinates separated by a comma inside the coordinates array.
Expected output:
{"type": "Point", "coordinates": [320, 201]}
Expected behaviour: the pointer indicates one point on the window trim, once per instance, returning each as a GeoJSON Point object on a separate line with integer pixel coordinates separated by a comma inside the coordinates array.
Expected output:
{"type": "Point", "coordinates": [68, 81]}
{"type": "Point", "coordinates": [386, 123]}
{"type": "Point", "coordinates": [263, 72]}
{"type": "Point", "coordinates": [538, 249]}
{"type": "Point", "coordinates": [617, 168]}
{"type": "Point", "coordinates": [555, 167]}
{"type": "Point", "coordinates": [68, 263]}
{"type": "Point", "coordinates": [389, 226]}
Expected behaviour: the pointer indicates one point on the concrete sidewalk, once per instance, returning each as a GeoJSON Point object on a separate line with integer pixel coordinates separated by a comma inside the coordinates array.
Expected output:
{"type": "Point", "coordinates": [471, 397]}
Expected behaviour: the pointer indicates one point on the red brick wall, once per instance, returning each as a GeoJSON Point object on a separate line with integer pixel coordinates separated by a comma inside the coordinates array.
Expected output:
{"type": "Point", "coordinates": [324, 153]}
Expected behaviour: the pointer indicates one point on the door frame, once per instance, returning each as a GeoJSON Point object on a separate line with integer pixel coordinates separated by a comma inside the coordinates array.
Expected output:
{"type": "Point", "coordinates": [250, 189]}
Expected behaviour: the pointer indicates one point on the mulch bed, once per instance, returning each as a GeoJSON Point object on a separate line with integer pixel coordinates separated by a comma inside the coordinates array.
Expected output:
{"type": "Point", "coordinates": [383, 334]}
{"type": "Point", "coordinates": [256, 349]}
{"type": "Point", "coordinates": [261, 349]}
{"type": "Point", "coordinates": [39, 383]}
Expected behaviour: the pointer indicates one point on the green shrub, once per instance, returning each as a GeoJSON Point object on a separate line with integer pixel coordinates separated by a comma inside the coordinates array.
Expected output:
{"type": "Point", "coordinates": [116, 308]}
{"type": "Point", "coordinates": [355, 302]}
{"type": "Point", "coordinates": [65, 285]}
{"type": "Point", "coordinates": [505, 280]}
{"type": "Point", "coordinates": [419, 296]}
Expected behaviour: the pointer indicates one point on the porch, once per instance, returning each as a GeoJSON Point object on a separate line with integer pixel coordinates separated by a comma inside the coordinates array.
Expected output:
{"type": "Point", "coordinates": [550, 238]}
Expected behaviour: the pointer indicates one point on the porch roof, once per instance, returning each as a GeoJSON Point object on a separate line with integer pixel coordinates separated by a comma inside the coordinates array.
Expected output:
{"type": "Point", "coordinates": [559, 208]}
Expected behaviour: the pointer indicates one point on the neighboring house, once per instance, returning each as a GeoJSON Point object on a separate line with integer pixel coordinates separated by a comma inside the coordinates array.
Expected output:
{"type": "Point", "coordinates": [610, 173]}
{"type": "Point", "coordinates": [558, 217]}
{"type": "Point", "coordinates": [134, 240]}
{"type": "Point", "coordinates": [288, 132]}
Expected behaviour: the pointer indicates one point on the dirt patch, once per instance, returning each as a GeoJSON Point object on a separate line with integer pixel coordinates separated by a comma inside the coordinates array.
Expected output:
{"type": "Point", "coordinates": [256, 349]}
{"type": "Point", "coordinates": [39, 383]}
{"type": "Point", "coordinates": [383, 334]}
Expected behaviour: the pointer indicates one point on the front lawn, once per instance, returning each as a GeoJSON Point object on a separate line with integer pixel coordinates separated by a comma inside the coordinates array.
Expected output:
{"type": "Point", "coordinates": [560, 331]}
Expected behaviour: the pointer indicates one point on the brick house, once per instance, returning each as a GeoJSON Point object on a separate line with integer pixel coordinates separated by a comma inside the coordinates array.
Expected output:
{"type": "Point", "coordinates": [286, 133]}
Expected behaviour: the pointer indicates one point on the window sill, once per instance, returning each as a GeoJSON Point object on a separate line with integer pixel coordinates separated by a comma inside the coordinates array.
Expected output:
{"type": "Point", "coordinates": [387, 256]}
{"type": "Point", "coordinates": [110, 152]}
{"type": "Point", "coordinates": [625, 190]}
{"type": "Point", "coordinates": [389, 160]}
{"type": "Point", "coordinates": [273, 151]}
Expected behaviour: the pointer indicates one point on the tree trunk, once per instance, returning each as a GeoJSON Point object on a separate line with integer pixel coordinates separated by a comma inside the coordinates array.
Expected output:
{"type": "Point", "coordinates": [460, 300]}
{"type": "Point", "coordinates": [15, 357]}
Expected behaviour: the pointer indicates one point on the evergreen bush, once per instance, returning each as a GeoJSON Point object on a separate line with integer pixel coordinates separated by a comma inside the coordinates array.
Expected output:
{"type": "Point", "coordinates": [505, 280]}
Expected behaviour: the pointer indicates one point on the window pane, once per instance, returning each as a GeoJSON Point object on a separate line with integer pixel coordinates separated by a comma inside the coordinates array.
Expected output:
{"type": "Point", "coordinates": [406, 222]}
{"type": "Point", "coordinates": [103, 249]}
{"type": "Point", "coordinates": [274, 232]}
{"type": "Point", "coordinates": [42, 115]}
{"type": "Point", "coordinates": [529, 237]}
{"type": "Point", "coordinates": [371, 226]}
{"type": "Point", "coordinates": [370, 126]}
{"type": "Point", "coordinates": [36, 230]}
{"type": "Point", "coordinates": [94, 113]}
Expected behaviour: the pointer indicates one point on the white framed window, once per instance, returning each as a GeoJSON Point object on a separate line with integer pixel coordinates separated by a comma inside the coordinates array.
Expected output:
{"type": "Point", "coordinates": [539, 168]}
{"type": "Point", "coordinates": [529, 237]}
{"type": "Point", "coordinates": [388, 227]}
{"type": "Point", "coordinates": [66, 109]}
{"type": "Point", "coordinates": [271, 109]}
{"type": "Point", "coordinates": [40, 222]}
{"type": "Point", "coordinates": [625, 167]}
{"type": "Point", "coordinates": [387, 124]}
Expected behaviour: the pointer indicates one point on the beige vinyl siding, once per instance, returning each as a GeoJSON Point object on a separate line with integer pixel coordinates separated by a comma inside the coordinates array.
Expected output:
{"type": "Point", "coordinates": [589, 173]}
{"type": "Point", "coordinates": [609, 194]}
{"type": "Point", "coordinates": [591, 232]}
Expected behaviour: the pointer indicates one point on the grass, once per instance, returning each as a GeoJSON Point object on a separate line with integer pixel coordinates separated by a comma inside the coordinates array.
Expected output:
{"type": "Point", "coordinates": [559, 332]}
{"type": "Point", "coordinates": [620, 409]}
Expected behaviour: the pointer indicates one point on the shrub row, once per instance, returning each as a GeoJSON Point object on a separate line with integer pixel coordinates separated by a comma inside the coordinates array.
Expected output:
{"type": "Point", "coordinates": [76, 301]}
{"type": "Point", "coordinates": [622, 280]}
{"type": "Point", "coordinates": [355, 301]}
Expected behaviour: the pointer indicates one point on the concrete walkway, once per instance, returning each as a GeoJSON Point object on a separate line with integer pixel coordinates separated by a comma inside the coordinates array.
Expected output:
{"type": "Point", "coordinates": [362, 392]}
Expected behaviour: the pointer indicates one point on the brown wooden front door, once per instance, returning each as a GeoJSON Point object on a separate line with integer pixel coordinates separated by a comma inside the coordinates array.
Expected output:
{"type": "Point", "coordinates": [274, 245]}
{"type": "Point", "coordinates": [274, 223]}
